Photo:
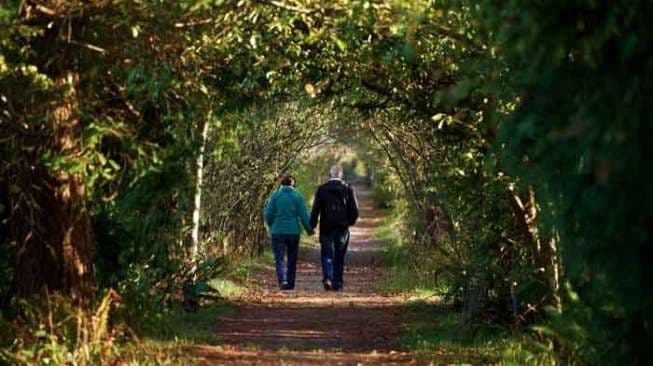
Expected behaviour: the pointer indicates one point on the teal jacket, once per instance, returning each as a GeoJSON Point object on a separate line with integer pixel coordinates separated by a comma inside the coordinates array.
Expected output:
{"type": "Point", "coordinates": [284, 210]}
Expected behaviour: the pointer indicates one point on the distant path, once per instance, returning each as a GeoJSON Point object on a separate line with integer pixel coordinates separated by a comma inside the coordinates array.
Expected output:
{"type": "Point", "coordinates": [309, 326]}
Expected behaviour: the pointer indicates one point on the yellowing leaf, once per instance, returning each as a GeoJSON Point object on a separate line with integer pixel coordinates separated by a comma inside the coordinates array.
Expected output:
{"type": "Point", "coordinates": [341, 44]}
{"type": "Point", "coordinates": [310, 90]}
{"type": "Point", "coordinates": [438, 117]}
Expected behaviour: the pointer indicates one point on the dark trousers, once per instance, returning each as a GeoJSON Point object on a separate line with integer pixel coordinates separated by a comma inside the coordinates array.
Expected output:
{"type": "Point", "coordinates": [333, 249]}
{"type": "Point", "coordinates": [285, 244]}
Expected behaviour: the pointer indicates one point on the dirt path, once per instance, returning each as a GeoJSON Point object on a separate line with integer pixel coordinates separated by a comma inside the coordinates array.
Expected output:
{"type": "Point", "coordinates": [309, 326]}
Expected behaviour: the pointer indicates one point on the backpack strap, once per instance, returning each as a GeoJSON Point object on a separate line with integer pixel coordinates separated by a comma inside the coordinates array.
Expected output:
{"type": "Point", "coordinates": [348, 193]}
{"type": "Point", "coordinates": [350, 205]}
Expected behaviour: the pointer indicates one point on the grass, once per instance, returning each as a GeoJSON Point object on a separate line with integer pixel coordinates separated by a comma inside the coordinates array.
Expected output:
{"type": "Point", "coordinates": [161, 335]}
{"type": "Point", "coordinates": [434, 332]}
{"type": "Point", "coordinates": [226, 288]}
{"type": "Point", "coordinates": [178, 325]}
{"type": "Point", "coordinates": [432, 329]}
{"type": "Point", "coordinates": [158, 353]}
{"type": "Point", "coordinates": [58, 332]}
{"type": "Point", "coordinates": [402, 277]}
{"type": "Point", "coordinates": [244, 269]}
{"type": "Point", "coordinates": [173, 335]}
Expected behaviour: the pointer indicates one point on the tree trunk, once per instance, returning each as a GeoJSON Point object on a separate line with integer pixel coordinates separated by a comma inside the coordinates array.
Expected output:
{"type": "Point", "coordinates": [474, 298]}
{"type": "Point", "coordinates": [551, 262]}
{"type": "Point", "coordinates": [197, 208]}
{"type": "Point", "coordinates": [544, 251]}
{"type": "Point", "coordinates": [50, 222]}
{"type": "Point", "coordinates": [438, 222]}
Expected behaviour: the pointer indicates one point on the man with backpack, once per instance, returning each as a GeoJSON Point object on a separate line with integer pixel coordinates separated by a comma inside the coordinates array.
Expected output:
{"type": "Point", "coordinates": [335, 205]}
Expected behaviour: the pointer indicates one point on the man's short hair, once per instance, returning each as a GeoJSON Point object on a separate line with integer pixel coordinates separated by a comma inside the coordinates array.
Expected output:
{"type": "Point", "coordinates": [336, 171]}
{"type": "Point", "coordinates": [288, 180]}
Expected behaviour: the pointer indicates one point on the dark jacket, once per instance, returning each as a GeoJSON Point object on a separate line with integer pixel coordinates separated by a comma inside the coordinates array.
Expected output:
{"type": "Point", "coordinates": [334, 189]}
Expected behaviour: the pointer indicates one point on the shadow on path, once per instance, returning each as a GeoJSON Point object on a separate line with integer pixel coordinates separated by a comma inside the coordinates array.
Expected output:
{"type": "Point", "coordinates": [310, 326]}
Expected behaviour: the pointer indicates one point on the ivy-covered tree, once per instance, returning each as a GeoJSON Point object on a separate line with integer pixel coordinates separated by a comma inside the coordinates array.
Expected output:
{"type": "Point", "coordinates": [95, 96]}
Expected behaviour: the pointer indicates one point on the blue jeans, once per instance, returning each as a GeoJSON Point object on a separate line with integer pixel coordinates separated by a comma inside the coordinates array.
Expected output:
{"type": "Point", "coordinates": [333, 250]}
{"type": "Point", "coordinates": [282, 244]}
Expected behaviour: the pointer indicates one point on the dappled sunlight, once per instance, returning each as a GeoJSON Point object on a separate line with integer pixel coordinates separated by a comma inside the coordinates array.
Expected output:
{"type": "Point", "coordinates": [311, 327]}
{"type": "Point", "coordinates": [271, 324]}
{"type": "Point", "coordinates": [253, 356]}
{"type": "Point", "coordinates": [505, 142]}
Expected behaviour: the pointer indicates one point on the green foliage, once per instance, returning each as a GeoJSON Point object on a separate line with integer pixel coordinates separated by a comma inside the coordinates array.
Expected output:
{"type": "Point", "coordinates": [312, 169]}
{"type": "Point", "coordinates": [409, 78]}
{"type": "Point", "coordinates": [226, 288]}
{"type": "Point", "coordinates": [569, 328]}
{"type": "Point", "coordinates": [59, 333]}
{"type": "Point", "coordinates": [142, 226]}
{"type": "Point", "coordinates": [578, 134]}
{"type": "Point", "coordinates": [247, 154]}
{"type": "Point", "coordinates": [406, 274]}
{"type": "Point", "coordinates": [386, 187]}
{"type": "Point", "coordinates": [510, 138]}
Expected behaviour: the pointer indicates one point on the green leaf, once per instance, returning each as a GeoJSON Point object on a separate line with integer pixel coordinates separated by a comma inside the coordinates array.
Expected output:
{"type": "Point", "coordinates": [41, 333]}
{"type": "Point", "coordinates": [341, 44]}
{"type": "Point", "coordinates": [201, 288]}
{"type": "Point", "coordinates": [408, 52]}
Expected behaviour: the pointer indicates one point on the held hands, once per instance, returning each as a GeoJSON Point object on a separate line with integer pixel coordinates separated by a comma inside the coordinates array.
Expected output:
{"type": "Point", "coordinates": [310, 230]}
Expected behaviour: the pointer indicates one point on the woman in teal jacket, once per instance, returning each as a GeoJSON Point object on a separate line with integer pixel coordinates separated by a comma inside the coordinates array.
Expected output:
{"type": "Point", "coordinates": [283, 212]}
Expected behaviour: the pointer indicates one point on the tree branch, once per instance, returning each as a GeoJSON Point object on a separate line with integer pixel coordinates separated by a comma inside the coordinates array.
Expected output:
{"type": "Point", "coordinates": [284, 6]}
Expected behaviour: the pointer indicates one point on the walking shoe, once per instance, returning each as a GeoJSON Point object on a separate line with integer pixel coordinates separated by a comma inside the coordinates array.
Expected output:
{"type": "Point", "coordinates": [285, 286]}
{"type": "Point", "coordinates": [327, 284]}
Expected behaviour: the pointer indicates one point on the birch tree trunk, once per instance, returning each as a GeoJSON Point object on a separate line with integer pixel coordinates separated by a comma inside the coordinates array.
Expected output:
{"type": "Point", "coordinates": [197, 206]}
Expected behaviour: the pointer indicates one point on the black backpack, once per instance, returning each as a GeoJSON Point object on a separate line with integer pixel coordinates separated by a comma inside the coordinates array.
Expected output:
{"type": "Point", "coordinates": [336, 213]}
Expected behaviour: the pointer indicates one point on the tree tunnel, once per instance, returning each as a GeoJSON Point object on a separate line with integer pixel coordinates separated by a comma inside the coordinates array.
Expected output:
{"type": "Point", "coordinates": [139, 140]}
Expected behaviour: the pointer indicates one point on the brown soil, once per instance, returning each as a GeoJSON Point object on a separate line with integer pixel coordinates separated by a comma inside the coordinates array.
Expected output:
{"type": "Point", "coordinates": [310, 326]}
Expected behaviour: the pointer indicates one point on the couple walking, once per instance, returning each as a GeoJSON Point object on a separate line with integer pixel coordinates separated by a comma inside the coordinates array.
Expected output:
{"type": "Point", "coordinates": [336, 208]}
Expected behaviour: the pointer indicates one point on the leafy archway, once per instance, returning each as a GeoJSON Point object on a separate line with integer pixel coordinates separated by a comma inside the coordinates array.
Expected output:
{"type": "Point", "coordinates": [509, 129]}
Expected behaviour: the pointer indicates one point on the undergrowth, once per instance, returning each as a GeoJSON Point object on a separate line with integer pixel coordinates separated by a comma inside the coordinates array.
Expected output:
{"type": "Point", "coordinates": [434, 331]}
{"type": "Point", "coordinates": [52, 330]}
{"type": "Point", "coordinates": [403, 275]}
{"type": "Point", "coordinates": [432, 326]}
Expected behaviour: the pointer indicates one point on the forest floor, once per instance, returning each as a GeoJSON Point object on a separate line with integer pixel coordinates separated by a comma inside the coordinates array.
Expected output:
{"type": "Point", "coordinates": [310, 326]}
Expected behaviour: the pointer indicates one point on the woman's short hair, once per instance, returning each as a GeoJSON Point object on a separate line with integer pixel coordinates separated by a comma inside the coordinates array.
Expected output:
{"type": "Point", "coordinates": [288, 180]}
